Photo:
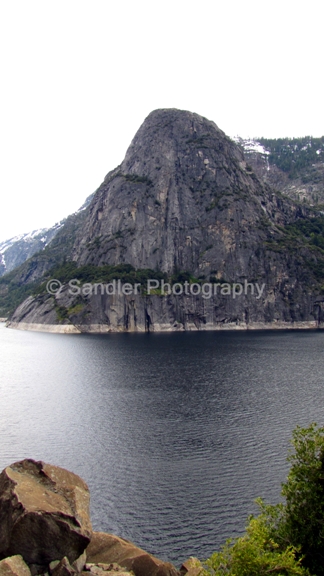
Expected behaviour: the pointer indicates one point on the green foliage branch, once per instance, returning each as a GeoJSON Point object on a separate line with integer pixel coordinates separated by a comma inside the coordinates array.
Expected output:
{"type": "Point", "coordinates": [288, 538]}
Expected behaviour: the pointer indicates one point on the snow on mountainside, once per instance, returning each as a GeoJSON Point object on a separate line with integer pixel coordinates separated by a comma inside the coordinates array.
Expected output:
{"type": "Point", "coordinates": [27, 237]}
{"type": "Point", "coordinates": [292, 166]}
{"type": "Point", "coordinates": [251, 145]}
{"type": "Point", "coordinates": [18, 249]}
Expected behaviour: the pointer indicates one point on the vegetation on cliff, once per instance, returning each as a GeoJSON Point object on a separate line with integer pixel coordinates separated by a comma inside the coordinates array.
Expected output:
{"type": "Point", "coordinates": [293, 155]}
{"type": "Point", "coordinates": [12, 293]}
{"type": "Point", "coordinates": [287, 538]}
{"type": "Point", "coordinates": [305, 240]}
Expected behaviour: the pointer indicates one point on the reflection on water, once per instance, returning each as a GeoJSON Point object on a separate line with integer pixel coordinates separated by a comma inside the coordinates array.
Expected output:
{"type": "Point", "coordinates": [176, 434]}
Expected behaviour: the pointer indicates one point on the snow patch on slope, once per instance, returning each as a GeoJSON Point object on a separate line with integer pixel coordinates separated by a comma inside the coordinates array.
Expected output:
{"type": "Point", "coordinates": [251, 145]}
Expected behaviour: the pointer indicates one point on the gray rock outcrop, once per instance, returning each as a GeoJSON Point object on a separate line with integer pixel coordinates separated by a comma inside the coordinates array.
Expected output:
{"type": "Point", "coordinates": [183, 198]}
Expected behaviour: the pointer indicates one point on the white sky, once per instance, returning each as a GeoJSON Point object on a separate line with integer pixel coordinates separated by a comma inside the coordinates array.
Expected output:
{"type": "Point", "coordinates": [79, 77]}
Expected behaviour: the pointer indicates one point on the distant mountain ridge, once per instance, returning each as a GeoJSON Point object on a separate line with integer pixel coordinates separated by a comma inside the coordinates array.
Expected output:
{"type": "Point", "coordinates": [18, 249]}
{"type": "Point", "coordinates": [15, 251]}
{"type": "Point", "coordinates": [293, 166]}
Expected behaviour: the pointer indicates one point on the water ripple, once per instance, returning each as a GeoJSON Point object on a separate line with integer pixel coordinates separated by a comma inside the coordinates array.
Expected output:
{"type": "Point", "coordinates": [176, 434]}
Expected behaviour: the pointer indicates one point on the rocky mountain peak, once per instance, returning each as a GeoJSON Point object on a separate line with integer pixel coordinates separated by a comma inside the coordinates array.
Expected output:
{"type": "Point", "coordinates": [168, 129]}
{"type": "Point", "coordinates": [182, 190]}
{"type": "Point", "coordinates": [167, 137]}
{"type": "Point", "coordinates": [184, 203]}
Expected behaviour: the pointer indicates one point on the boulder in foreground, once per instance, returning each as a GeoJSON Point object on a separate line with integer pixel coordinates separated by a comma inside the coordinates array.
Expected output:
{"type": "Point", "coordinates": [14, 566]}
{"type": "Point", "coordinates": [108, 548]}
{"type": "Point", "coordinates": [44, 513]}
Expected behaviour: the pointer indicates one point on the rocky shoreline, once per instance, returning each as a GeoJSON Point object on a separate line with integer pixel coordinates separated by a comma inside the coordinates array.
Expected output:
{"type": "Point", "coordinates": [45, 528]}
{"type": "Point", "coordinates": [178, 327]}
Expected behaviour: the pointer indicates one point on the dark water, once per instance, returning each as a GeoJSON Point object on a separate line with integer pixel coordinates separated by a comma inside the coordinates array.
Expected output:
{"type": "Point", "coordinates": [176, 434]}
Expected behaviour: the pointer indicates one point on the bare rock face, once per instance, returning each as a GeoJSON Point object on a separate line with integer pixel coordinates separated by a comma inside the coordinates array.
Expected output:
{"type": "Point", "coordinates": [14, 566]}
{"type": "Point", "coordinates": [44, 513]}
{"type": "Point", "coordinates": [108, 548]}
{"type": "Point", "coordinates": [183, 198]}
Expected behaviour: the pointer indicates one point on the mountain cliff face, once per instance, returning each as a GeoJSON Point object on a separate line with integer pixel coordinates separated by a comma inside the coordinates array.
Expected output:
{"type": "Point", "coordinates": [183, 199]}
{"type": "Point", "coordinates": [184, 204]}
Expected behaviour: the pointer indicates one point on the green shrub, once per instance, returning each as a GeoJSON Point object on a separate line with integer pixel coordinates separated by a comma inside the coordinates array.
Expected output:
{"type": "Point", "coordinates": [303, 519]}
{"type": "Point", "coordinates": [288, 538]}
{"type": "Point", "coordinates": [255, 554]}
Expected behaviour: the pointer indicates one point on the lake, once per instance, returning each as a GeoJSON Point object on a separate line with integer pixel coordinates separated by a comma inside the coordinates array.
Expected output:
{"type": "Point", "coordinates": [175, 433]}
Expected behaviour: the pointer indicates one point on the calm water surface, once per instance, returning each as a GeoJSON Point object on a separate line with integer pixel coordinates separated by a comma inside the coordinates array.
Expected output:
{"type": "Point", "coordinates": [176, 434]}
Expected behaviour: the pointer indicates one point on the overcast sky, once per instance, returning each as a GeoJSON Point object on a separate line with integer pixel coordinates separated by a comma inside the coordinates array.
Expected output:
{"type": "Point", "coordinates": [79, 77]}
